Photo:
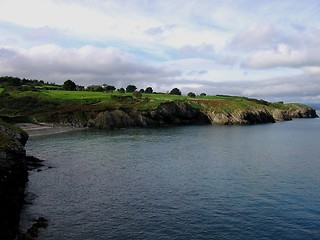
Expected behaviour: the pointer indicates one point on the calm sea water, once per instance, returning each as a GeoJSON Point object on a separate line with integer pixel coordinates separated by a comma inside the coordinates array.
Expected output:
{"type": "Point", "coordinates": [195, 182]}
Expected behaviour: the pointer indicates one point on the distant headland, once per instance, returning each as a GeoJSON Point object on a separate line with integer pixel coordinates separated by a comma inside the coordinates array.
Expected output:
{"type": "Point", "coordinates": [33, 101]}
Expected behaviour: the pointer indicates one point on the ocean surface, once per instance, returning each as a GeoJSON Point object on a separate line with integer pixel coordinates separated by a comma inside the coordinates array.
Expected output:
{"type": "Point", "coordinates": [191, 182]}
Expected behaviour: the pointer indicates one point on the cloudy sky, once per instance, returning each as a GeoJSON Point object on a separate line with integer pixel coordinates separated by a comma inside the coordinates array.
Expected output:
{"type": "Point", "coordinates": [267, 49]}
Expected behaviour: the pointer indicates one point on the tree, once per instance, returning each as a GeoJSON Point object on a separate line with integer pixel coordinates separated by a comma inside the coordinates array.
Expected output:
{"type": "Point", "coordinates": [203, 94]}
{"type": "Point", "coordinates": [131, 88]}
{"type": "Point", "coordinates": [121, 90]}
{"type": "Point", "coordinates": [69, 85]}
{"type": "Point", "coordinates": [149, 90]}
{"type": "Point", "coordinates": [191, 94]}
{"type": "Point", "coordinates": [175, 91]}
{"type": "Point", "coordinates": [109, 88]}
{"type": "Point", "coordinates": [142, 90]}
{"type": "Point", "coordinates": [10, 81]}
{"type": "Point", "coordinates": [80, 88]}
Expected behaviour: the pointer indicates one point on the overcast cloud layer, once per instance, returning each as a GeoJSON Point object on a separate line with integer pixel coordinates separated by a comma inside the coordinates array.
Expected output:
{"type": "Point", "coordinates": [267, 49]}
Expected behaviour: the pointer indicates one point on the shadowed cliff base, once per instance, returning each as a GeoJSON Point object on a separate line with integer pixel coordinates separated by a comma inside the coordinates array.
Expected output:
{"type": "Point", "coordinates": [13, 177]}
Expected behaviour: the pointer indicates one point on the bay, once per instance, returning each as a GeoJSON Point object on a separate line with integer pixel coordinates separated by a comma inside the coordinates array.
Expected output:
{"type": "Point", "coordinates": [193, 182]}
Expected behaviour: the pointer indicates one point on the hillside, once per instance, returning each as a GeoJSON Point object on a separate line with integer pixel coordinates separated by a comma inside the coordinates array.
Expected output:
{"type": "Point", "coordinates": [109, 110]}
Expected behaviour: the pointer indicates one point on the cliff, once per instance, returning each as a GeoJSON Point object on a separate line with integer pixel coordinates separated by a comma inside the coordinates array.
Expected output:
{"type": "Point", "coordinates": [182, 113]}
{"type": "Point", "coordinates": [241, 117]}
{"type": "Point", "coordinates": [171, 113]}
{"type": "Point", "coordinates": [13, 177]}
{"type": "Point", "coordinates": [123, 110]}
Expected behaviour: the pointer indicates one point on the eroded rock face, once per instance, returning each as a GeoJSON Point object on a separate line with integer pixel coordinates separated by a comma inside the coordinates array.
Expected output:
{"type": "Point", "coordinates": [13, 177]}
{"type": "Point", "coordinates": [280, 115]}
{"type": "Point", "coordinates": [22, 136]}
{"type": "Point", "coordinates": [179, 113]}
{"type": "Point", "coordinates": [244, 117]}
{"type": "Point", "coordinates": [172, 113]}
{"type": "Point", "coordinates": [297, 111]}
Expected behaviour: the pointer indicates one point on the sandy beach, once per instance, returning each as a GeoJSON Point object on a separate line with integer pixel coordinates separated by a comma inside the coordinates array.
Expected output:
{"type": "Point", "coordinates": [45, 128]}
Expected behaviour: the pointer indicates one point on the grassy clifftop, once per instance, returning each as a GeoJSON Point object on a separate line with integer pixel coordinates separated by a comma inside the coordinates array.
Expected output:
{"type": "Point", "coordinates": [52, 105]}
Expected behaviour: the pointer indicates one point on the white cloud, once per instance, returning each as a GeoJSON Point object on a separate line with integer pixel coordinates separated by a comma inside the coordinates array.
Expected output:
{"type": "Point", "coordinates": [203, 50]}
{"type": "Point", "coordinates": [256, 35]}
{"type": "Point", "coordinates": [87, 65]}
{"type": "Point", "coordinates": [312, 70]}
{"type": "Point", "coordinates": [283, 56]}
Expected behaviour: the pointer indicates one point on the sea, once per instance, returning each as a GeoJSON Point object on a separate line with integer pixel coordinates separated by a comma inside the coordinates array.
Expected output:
{"type": "Point", "coordinates": [186, 182]}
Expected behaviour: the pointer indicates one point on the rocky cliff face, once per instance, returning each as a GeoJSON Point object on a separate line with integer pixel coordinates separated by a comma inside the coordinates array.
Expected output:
{"type": "Point", "coordinates": [280, 115]}
{"type": "Point", "coordinates": [180, 113]}
{"type": "Point", "coordinates": [241, 116]}
{"type": "Point", "coordinates": [172, 113]}
{"type": "Point", "coordinates": [293, 111]}
{"type": "Point", "coordinates": [13, 176]}
{"type": "Point", "coordinates": [301, 111]}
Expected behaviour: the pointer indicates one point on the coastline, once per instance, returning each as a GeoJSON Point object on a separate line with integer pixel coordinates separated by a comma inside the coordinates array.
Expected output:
{"type": "Point", "coordinates": [40, 129]}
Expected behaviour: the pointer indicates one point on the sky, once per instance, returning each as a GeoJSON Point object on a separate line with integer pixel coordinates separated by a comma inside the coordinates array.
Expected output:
{"type": "Point", "coordinates": [268, 49]}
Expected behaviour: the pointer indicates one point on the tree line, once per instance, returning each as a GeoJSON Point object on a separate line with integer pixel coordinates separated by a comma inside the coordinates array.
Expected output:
{"type": "Point", "coordinates": [24, 84]}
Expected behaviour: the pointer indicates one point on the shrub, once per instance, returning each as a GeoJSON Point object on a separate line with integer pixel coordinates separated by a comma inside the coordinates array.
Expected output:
{"type": "Point", "coordinates": [121, 90]}
{"type": "Point", "coordinates": [69, 85]}
{"type": "Point", "coordinates": [131, 88]}
{"type": "Point", "coordinates": [191, 94]}
{"type": "Point", "coordinates": [175, 91]}
{"type": "Point", "coordinates": [149, 90]}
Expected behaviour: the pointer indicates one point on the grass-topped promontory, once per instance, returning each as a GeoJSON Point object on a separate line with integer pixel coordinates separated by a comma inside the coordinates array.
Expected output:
{"type": "Point", "coordinates": [34, 105]}
{"type": "Point", "coordinates": [23, 100]}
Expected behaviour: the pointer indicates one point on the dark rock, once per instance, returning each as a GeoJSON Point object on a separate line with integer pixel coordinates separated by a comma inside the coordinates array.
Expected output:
{"type": "Point", "coordinates": [34, 163]}
{"type": "Point", "coordinates": [13, 177]}
{"type": "Point", "coordinates": [301, 111]}
{"type": "Point", "coordinates": [33, 231]}
{"type": "Point", "coordinates": [172, 113]}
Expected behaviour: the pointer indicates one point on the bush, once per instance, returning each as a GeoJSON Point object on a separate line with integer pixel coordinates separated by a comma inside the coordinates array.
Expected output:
{"type": "Point", "coordinates": [175, 91]}
{"type": "Point", "coordinates": [121, 98]}
{"type": "Point", "coordinates": [121, 90]}
{"type": "Point", "coordinates": [109, 88]}
{"type": "Point", "coordinates": [149, 90]}
{"type": "Point", "coordinates": [69, 85]}
{"type": "Point", "coordinates": [131, 88]}
{"type": "Point", "coordinates": [191, 94]}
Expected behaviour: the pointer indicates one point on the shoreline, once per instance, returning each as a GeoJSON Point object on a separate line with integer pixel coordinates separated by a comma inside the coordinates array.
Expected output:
{"type": "Point", "coordinates": [41, 129]}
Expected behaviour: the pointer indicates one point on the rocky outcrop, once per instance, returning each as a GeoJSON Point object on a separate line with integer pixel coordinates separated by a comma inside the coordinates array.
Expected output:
{"type": "Point", "coordinates": [241, 116]}
{"type": "Point", "coordinates": [280, 115]}
{"type": "Point", "coordinates": [301, 111]}
{"type": "Point", "coordinates": [172, 113]}
{"type": "Point", "coordinates": [290, 111]}
{"type": "Point", "coordinates": [17, 134]}
{"type": "Point", "coordinates": [13, 177]}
